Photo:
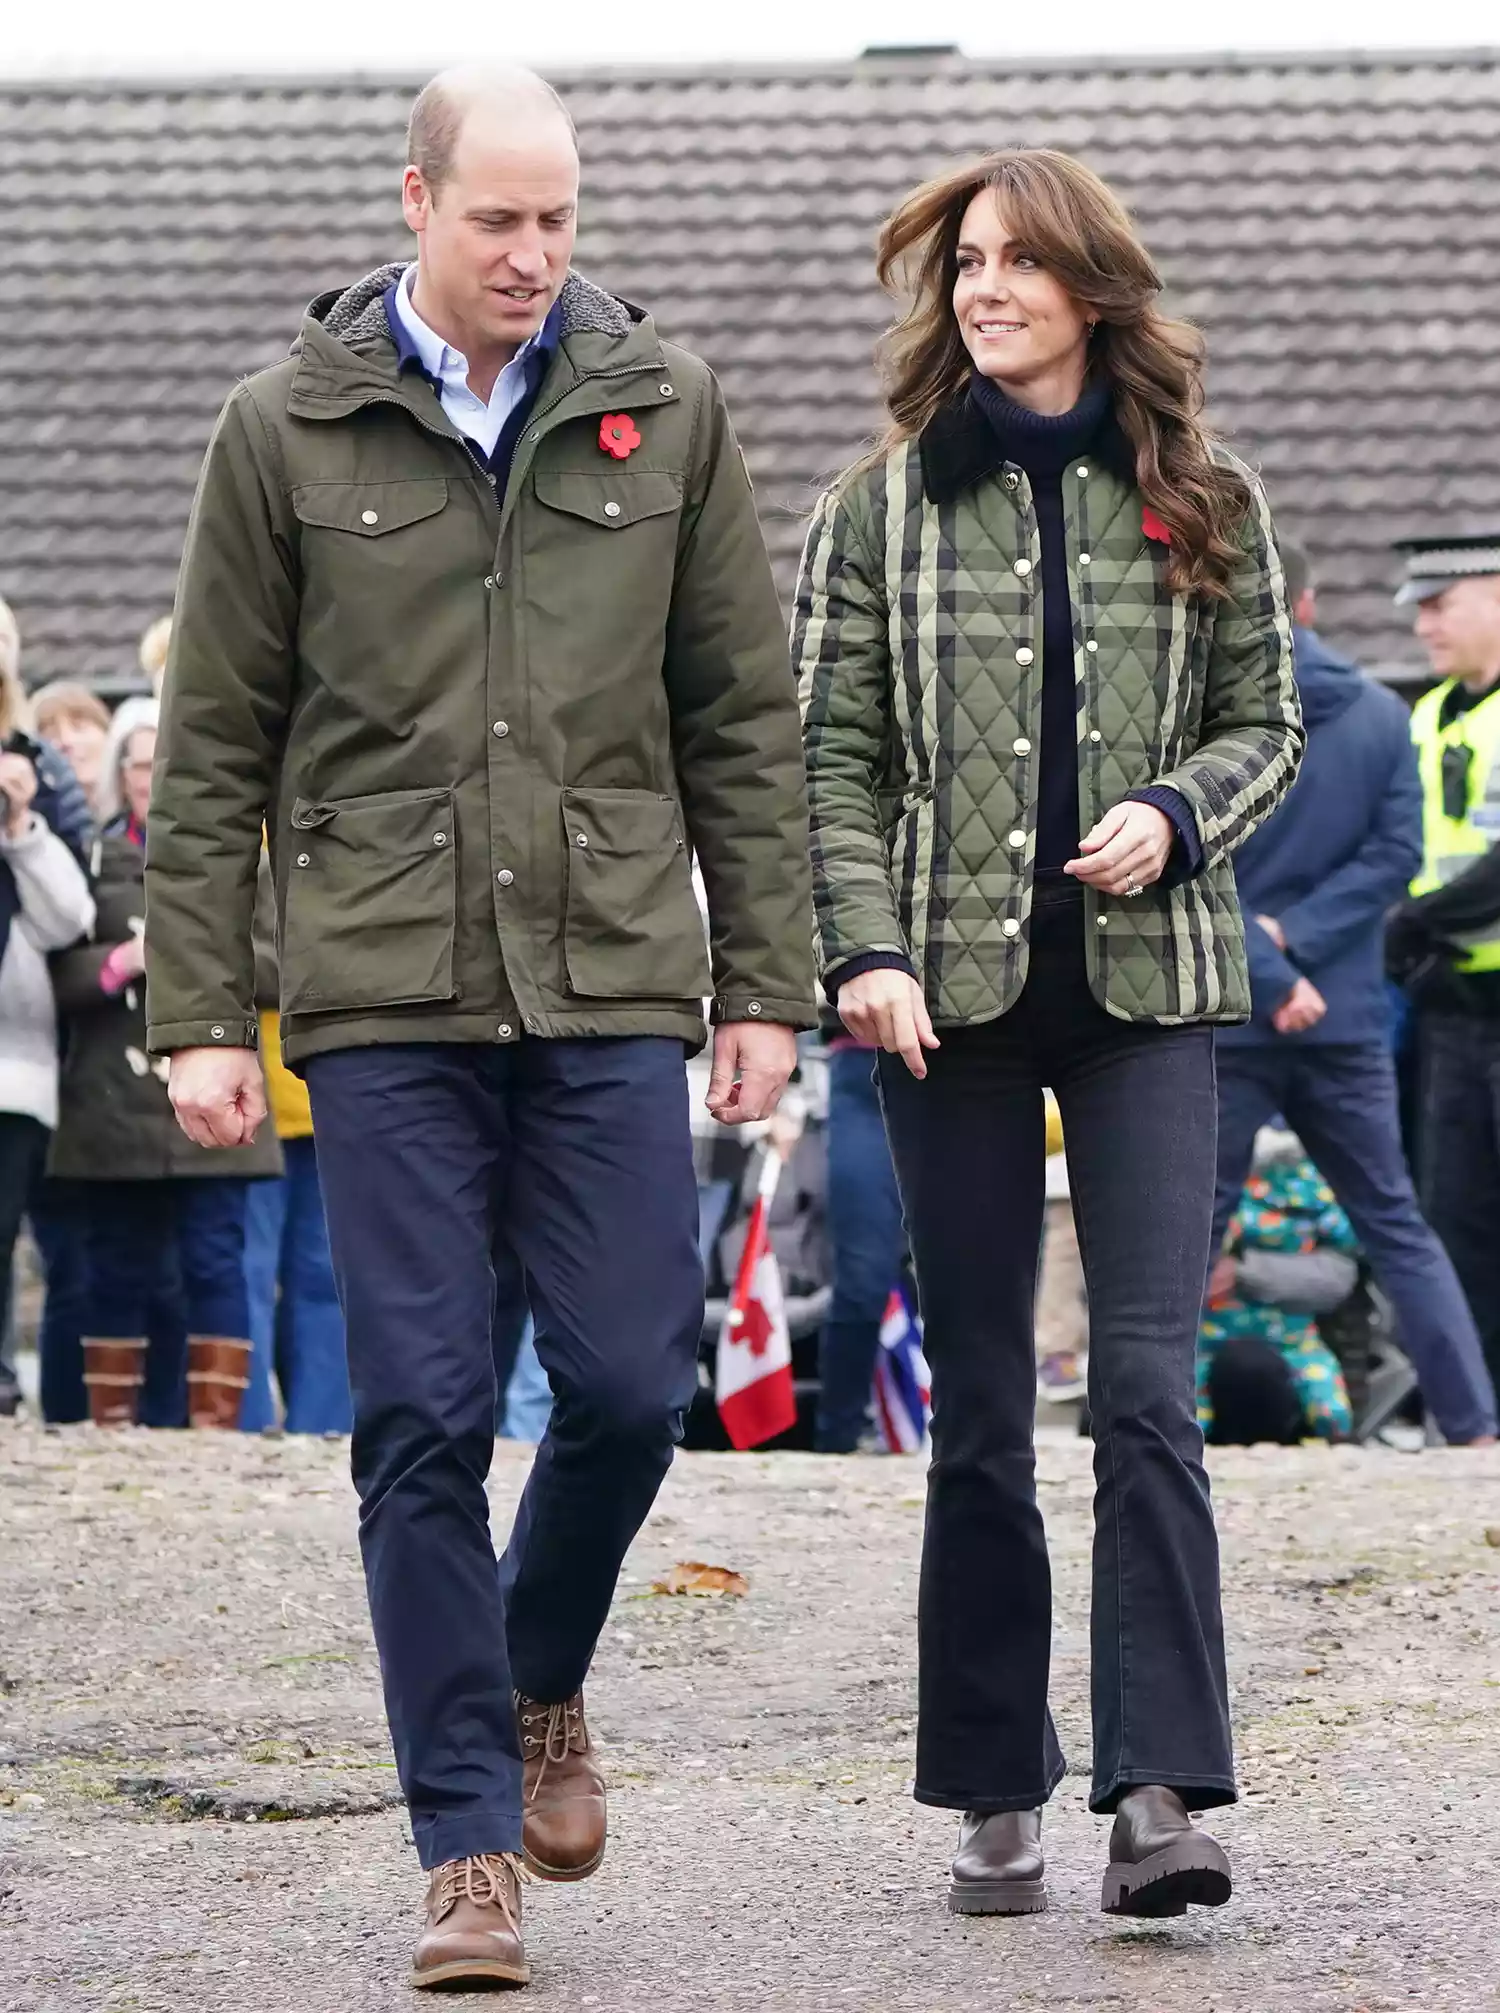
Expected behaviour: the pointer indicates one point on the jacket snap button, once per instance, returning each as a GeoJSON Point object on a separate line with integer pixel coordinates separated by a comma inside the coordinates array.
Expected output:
{"type": "Point", "coordinates": [1023, 567]}
{"type": "Point", "coordinates": [217, 1033]}
{"type": "Point", "coordinates": [489, 580]}
{"type": "Point", "coordinates": [1095, 735]}
{"type": "Point", "coordinates": [611, 510]}
{"type": "Point", "coordinates": [754, 1007]}
{"type": "Point", "coordinates": [1101, 922]}
{"type": "Point", "coordinates": [1017, 838]}
{"type": "Point", "coordinates": [506, 1030]}
{"type": "Point", "coordinates": [1084, 559]}
{"type": "Point", "coordinates": [369, 517]}
{"type": "Point", "coordinates": [1025, 656]}
{"type": "Point", "coordinates": [1083, 474]}
{"type": "Point", "coordinates": [502, 728]}
{"type": "Point", "coordinates": [1012, 480]}
{"type": "Point", "coordinates": [304, 859]}
{"type": "Point", "coordinates": [1011, 927]}
{"type": "Point", "coordinates": [440, 838]}
{"type": "Point", "coordinates": [666, 391]}
{"type": "Point", "coordinates": [583, 838]}
{"type": "Point", "coordinates": [1091, 644]}
{"type": "Point", "coordinates": [505, 877]}
{"type": "Point", "coordinates": [1021, 747]}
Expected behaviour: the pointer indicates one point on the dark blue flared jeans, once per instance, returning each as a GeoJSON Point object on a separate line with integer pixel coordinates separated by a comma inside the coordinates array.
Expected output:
{"type": "Point", "coordinates": [1138, 1112]}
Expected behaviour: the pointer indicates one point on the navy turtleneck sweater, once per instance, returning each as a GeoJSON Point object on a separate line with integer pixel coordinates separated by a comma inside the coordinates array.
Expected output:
{"type": "Point", "coordinates": [1042, 445]}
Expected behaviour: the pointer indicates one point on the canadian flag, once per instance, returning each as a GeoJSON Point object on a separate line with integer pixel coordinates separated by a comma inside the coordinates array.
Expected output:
{"type": "Point", "coordinates": [753, 1383]}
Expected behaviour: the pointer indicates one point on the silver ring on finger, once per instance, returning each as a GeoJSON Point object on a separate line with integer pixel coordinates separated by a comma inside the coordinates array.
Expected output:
{"type": "Point", "coordinates": [1133, 888]}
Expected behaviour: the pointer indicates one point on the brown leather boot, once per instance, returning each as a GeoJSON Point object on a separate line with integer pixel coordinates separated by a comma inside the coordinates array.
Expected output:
{"type": "Point", "coordinates": [565, 1817]}
{"type": "Point", "coordinates": [218, 1378]}
{"type": "Point", "coordinates": [114, 1371]}
{"type": "Point", "coordinates": [472, 1931]}
{"type": "Point", "coordinates": [998, 1867]}
{"type": "Point", "coordinates": [1158, 1864]}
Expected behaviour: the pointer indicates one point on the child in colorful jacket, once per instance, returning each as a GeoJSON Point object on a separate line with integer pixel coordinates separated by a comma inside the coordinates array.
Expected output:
{"type": "Point", "coordinates": [1264, 1371]}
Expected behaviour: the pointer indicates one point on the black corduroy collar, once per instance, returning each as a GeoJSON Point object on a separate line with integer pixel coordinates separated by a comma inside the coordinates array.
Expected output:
{"type": "Point", "coordinates": [960, 447]}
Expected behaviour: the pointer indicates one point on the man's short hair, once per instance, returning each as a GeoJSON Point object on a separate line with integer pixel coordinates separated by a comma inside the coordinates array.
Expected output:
{"type": "Point", "coordinates": [1297, 567]}
{"type": "Point", "coordinates": [437, 120]}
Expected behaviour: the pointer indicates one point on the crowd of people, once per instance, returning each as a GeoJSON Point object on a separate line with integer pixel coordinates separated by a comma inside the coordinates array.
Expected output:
{"type": "Point", "coordinates": [182, 1287]}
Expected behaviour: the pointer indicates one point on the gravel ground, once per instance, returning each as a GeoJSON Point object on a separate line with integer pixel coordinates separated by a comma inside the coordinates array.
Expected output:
{"type": "Point", "coordinates": [198, 1813]}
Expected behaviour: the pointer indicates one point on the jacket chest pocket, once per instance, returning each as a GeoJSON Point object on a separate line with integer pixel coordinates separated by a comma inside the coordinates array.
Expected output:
{"type": "Point", "coordinates": [371, 902]}
{"type": "Point", "coordinates": [615, 530]}
{"type": "Point", "coordinates": [633, 928]}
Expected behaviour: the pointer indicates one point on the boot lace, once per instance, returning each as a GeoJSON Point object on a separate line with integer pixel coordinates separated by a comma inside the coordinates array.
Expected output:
{"type": "Point", "coordinates": [562, 1724]}
{"type": "Point", "coordinates": [488, 1879]}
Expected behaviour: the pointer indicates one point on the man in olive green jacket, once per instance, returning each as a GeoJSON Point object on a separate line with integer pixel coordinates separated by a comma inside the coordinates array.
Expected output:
{"type": "Point", "coordinates": [475, 614]}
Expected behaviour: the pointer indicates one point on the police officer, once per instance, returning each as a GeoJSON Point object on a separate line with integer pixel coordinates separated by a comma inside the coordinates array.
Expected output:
{"type": "Point", "coordinates": [1444, 941]}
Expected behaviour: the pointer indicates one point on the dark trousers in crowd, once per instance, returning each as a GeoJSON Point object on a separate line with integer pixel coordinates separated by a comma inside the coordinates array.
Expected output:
{"type": "Point", "coordinates": [1138, 1114]}
{"type": "Point", "coordinates": [295, 1320]}
{"type": "Point", "coordinates": [1460, 1158]}
{"type": "Point", "coordinates": [23, 1148]}
{"type": "Point", "coordinates": [578, 1153]}
{"type": "Point", "coordinates": [132, 1232]}
{"type": "Point", "coordinates": [1341, 1101]}
{"type": "Point", "coordinates": [868, 1244]}
{"type": "Point", "coordinates": [58, 1218]}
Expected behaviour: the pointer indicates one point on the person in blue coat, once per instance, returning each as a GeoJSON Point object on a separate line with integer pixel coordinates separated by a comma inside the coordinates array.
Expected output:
{"type": "Point", "coordinates": [1315, 883]}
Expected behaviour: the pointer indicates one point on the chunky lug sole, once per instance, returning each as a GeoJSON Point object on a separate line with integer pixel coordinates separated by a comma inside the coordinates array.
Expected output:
{"type": "Point", "coordinates": [1193, 1873]}
{"type": "Point", "coordinates": [997, 1897]}
{"type": "Point", "coordinates": [562, 1873]}
{"type": "Point", "coordinates": [467, 1973]}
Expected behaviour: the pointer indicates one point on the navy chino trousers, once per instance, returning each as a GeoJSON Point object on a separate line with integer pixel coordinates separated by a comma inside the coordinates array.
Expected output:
{"type": "Point", "coordinates": [1340, 1099]}
{"type": "Point", "coordinates": [577, 1153]}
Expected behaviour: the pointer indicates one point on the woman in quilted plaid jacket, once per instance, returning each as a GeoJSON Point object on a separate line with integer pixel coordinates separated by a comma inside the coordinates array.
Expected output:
{"type": "Point", "coordinates": [1047, 683]}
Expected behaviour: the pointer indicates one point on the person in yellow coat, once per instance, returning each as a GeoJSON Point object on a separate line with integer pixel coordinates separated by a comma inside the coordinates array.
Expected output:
{"type": "Point", "coordinates": [297, 1324]}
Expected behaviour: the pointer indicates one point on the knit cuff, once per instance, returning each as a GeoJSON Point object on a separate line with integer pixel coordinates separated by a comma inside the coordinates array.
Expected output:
{"type": "Point", "coordinates": [1186, 857]}
{"type": "Point", "coordinates": [867, 961]}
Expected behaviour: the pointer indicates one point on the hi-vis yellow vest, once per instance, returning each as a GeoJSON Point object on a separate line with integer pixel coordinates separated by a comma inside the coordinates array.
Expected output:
{"type": "Point", "coordinates": [1450, 845]}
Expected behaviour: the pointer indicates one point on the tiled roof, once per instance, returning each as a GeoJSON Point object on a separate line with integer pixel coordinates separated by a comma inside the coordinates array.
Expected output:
{"type": "Point", "coordinates": [1333, 223]}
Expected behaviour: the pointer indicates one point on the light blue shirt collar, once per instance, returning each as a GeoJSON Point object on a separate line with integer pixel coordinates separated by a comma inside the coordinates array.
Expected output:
{"type": "Point", "coordinates": [479, 420]}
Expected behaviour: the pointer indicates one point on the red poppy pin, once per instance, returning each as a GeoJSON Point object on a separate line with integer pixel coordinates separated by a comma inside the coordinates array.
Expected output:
{"type": "Point", "coordinates": [618, 435]}
{"type": "Point", "coordinates": [1153, 527]}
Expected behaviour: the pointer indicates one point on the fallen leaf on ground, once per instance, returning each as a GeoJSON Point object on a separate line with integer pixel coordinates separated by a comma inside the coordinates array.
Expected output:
{"type": "Point", "coordinates": [1492, 1535]}
{"type": "Point", "coordinates": [694, 1577]}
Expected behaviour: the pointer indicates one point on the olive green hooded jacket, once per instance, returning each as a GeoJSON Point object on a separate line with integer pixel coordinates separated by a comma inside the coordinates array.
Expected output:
{"type": "Point", "coordinates": [486, 734]}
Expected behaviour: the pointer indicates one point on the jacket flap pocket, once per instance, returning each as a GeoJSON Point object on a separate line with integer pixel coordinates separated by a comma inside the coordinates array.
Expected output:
{"type": "Point", "coordinates": [622, 821]}
{"type": "Point", "coordinates": [369, 509]}
{"type": "Point", "coordinates": [612, 498]}
{"type": "Point", "coordinates": [395, 820]}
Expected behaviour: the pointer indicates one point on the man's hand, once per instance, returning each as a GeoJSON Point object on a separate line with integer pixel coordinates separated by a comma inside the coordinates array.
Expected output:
{"type": "Point", "coordinates": [218, 1094]}
{"type": "Point", "coordinates": [1303, 1007]}
{"type": "Point", "coordinates": [885, 1009]}
{"type": "Point", "coordinates": [1130, 844]}
{"type": "Point", "coordinates": [18, 789]}
{"type": "Point", "coordinates": [1274, 931]}
{"type": "Point", "coordinates": [762, 1058]}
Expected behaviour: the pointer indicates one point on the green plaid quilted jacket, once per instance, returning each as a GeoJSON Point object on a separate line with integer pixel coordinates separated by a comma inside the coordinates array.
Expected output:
{"type": "Point", "coordinates": [918, 633]}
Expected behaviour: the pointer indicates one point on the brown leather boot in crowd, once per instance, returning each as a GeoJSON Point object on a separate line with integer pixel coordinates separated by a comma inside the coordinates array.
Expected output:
{"type": "Point", "coordinates": [564, 1810]}
{"type": "Point", "coordinates": [472, 1931]}
{"type": "Point", "coordinates": [114, 1371]}
{"type": "Point", "coordinates": [218, 1378]}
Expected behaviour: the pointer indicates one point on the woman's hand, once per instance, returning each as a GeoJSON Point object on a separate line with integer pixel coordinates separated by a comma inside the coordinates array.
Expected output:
{"type": "Point", "coordinates": [886, 1010]}
{"type": "Point", "coordinates": [1126, 851]}
{"type": "Point", "coordinates": [129, 958]}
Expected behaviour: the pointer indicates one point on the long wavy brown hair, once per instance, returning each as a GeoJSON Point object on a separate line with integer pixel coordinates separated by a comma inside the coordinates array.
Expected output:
{"type": "Point", "coordinates": [1080, 232]}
